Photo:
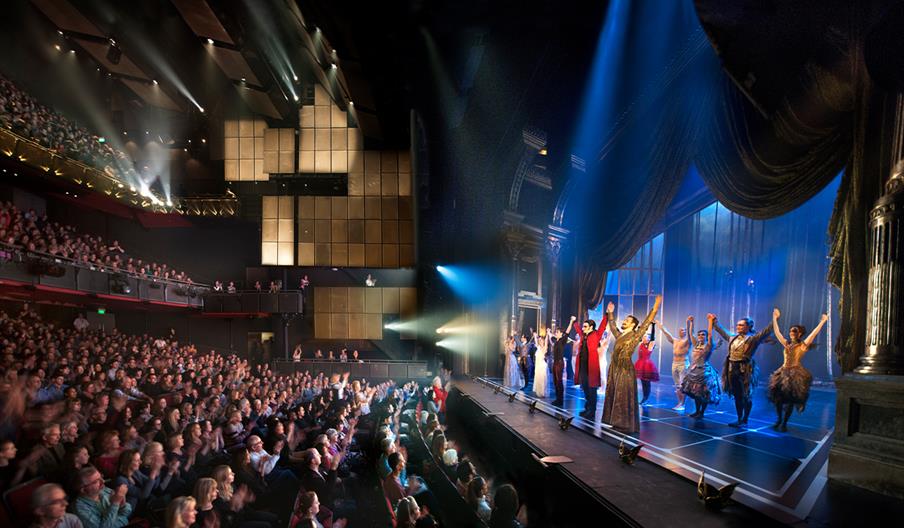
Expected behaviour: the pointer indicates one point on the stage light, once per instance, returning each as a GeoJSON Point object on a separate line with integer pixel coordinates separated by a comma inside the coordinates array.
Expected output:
{"type": "Point", "coordinates": [351, 103]}
{"type": "Point", "coordinates": [56, 47]}
{"type": "Point", "coordinates": [204, 140]}
{"type": "Point", "coordinates": [169, 203]}
{"type": "Point", "coordinates": [60, 32]}
{"type": "Point", "coordinates": [210, 41]}
{"type": "Point", "coordinates": [243, 79]}
{"type": "Point", "coordinates": [295, 78]}
{"type": "Point", "coordinates": [101, 139]}
{"type": "Point", "coordinates": [333, 66]}
{"type": "Point", "coordinates": [295, 97]}
{"type": "Point", "coordinates": [154, 81]}
{"type": "Point", "coordinates": [72, 51]}
{"type": "Point", "coordinates": [543, 152]}
{"type": "Point", "coordinates": [201, 108]}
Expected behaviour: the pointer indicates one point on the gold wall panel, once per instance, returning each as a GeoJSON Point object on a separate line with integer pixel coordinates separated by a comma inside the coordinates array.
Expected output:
{"type": "Point", "coordinates": [338, 299]}
{"type": "Point", "coordinates": [390, 300]}
{"type": "Point", "coordinates": [373, 300]}
{"type": "Point", "coordinates": [373, 326]}
{"type": "Point", "coordinates": [339, 326]}
{"type": "Point", "coordinates": [356, 300]}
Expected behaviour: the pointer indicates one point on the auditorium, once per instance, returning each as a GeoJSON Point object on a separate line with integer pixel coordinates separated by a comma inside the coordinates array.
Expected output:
{"type": "Point", "coordinates": [451, 263]}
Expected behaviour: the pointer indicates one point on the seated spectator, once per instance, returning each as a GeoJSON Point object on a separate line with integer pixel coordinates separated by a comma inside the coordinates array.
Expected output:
{"type": "Point", "coordinates": [464, 472]}
{"type": "Point", "coordinates": [108, 451]}
{"type": "Point", "coordinates": [8, 466]}
{"type": "Point", "coordinates": [304, 283]}
{"type": "Point", "coordinates": [205, 494]}
{"type": "Point", "coordinates": [138, 485]}
{"type": "Point", "coordinates": [230, 288]}
{"type": "Point", "coordinates": [392, 484]}
{"type": "Point", "coordinates": [257, 286]}
{"type": "Point", "coordinates": [309, 512]}
{"type": "Point", "coordinates": [322, 482]}
{"type": "Point", "coordinates": [409, 514]}
{"type": "Point", "coordinates": [477, 498]}
{"type": "Point", "coordinates": [99, 506]}
{"type": "Point", "coordinates": [48, 502]}
{"type": "Point", "coordinates": [46, 457]}
{"type": "Point", "coordinates": [181, 513]}
{"type": "Point", "coordinates": [296, 354]}
{"type": "Point", "coordinates": [233, 503]}
{"type": "Point", "coordinates": [218, 286]}
{"type": "Point", "coordinates": [265, 464]}
{"type": "Point", "coordinates": [355, 357]}
{"type": "Point", "coordinates": [505, 508]}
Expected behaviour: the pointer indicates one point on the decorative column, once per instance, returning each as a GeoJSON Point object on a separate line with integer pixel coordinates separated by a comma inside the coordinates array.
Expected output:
{"type": "Point", "coordinates": [555, 240]}
{"type": "Point", "coordinates": [884, 354]}
{"type": "Point", "coordinates": [514, 243]}
{"type": "Point", "coordinates": [868, 450]}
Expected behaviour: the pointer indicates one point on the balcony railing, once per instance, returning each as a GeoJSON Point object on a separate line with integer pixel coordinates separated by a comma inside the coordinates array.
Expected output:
{"type": "Point", "coordinates": [51, 271]}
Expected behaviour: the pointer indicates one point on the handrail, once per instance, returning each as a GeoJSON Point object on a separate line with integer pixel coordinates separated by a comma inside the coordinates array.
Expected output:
{"type": "Point", "coordinates": [22, 252]}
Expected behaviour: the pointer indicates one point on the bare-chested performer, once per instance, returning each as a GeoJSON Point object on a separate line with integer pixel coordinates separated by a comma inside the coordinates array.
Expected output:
{"type": "Point", "coordinates": [680, 347]}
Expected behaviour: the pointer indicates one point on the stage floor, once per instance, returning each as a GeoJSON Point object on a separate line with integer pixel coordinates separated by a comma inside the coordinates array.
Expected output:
{"type": "Point", "coordinates": [784, 473]}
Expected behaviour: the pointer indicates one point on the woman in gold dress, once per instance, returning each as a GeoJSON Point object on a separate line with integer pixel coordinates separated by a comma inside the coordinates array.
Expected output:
{"type": "Point", "coordinates": [789, 385]}
{"type": "Point", "coordinates": [620, 409]}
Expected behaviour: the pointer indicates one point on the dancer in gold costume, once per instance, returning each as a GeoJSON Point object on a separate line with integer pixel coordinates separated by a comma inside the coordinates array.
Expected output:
{"type": "Point", "coordinates": [789, 385]}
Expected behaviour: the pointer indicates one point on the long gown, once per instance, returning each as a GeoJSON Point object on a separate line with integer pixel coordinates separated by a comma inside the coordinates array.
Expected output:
{"type": "Point", "coordinates": [541, 368]}
{"type": "Point", "coordinates": [620, 408]}
{"type": "Point", "coordinates": [791, 382]}
{"type": "Point", "coordinates": [512, 376]}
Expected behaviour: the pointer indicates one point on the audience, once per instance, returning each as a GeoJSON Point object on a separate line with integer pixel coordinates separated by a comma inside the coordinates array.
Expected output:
{"type": "Point", "coordinates": [49, 503]}
{"type": "Point", "coordinates": [36, 234]}
{"type": "Point", "coordinates": [240, 438]}
{"type": "Point", "coordinates": [24, 115]}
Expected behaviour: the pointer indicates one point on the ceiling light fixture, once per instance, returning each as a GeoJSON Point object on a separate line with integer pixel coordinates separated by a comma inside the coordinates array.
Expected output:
{"type": "Point", "coordinates": [210, 41]}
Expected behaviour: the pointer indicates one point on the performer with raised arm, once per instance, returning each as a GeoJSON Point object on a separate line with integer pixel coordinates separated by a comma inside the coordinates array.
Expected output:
{"type": "Point", "coordinates": [740, 373]}
{"type": "Point", "coordinates": [620, 408]}
{"type": "Point", "coordinates": [541, 365]}
{"type": "Point", "coordinates": [701, 382]}
{"type": "Point", "coordinates": [789, 385]}
{"type": "Point", "coordinates": [587, 369]}
{"type": "Point", "coordinates": [680, 346]}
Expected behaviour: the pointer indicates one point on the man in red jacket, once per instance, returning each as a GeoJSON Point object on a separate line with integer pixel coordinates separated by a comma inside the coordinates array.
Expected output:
{"type": "Point", "coordinates": [587, 368]}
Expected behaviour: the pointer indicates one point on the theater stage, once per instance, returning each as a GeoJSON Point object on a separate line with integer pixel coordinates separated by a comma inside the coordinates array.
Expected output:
{"type": "Point", "coordinates": [780, 474]}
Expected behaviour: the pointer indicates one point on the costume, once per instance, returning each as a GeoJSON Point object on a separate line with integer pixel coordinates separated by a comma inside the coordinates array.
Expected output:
{"type": "Point", "coordinates": [541, 367]}
{"type": "Point", "coordinates": [791, 382]}
{"type": "Point", "coordinates": [512, 376]}
{"type": "Point", "coordinates": [644, 366]}
{"type": "Point", "coordinates": [605, 352]}
{"type": "Point", "coordinates": [702, 381]}
{"type": "Point", "coordinates": [739, 372]}
{"type": "Point", "coordinates": [620, 408]}
{"type": "Point", "coordinates": [524, 363]}
{"type": "Point", "coordinates": [587, 368]}
{"type": "Point", "coordinates": [558, 367]}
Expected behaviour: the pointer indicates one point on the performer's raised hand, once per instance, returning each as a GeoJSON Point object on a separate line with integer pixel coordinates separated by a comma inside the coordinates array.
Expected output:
{"type": "Point", "coordinates": [776, 313]}
{"type": "Point", "coordinates": [610, 308]}
{"type": "Point", "coordinates": [690, 318]}
{"type": "Point", "coordinates": [823, 318]}
{"type": "Point", "coordinates": [711, 317]}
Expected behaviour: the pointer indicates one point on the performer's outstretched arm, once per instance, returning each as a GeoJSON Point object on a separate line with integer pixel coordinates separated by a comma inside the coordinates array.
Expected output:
{"type": "Point", "coordinates": [665, 332]}
{"type": "Point", "coordinates": [775, 328]}
{"type": "Point", "coordinates": [649, 318]}
{"type": "Point", "coordinates": [815, 332]}
{"type": "Point", "coordinates": [717, 326]}
{"type": "Point", "coordinates": [610, 318]}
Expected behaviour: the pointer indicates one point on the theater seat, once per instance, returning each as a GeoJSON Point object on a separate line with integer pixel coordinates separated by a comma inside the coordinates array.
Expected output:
{"type": "Point", "coordinates": [18, 501]}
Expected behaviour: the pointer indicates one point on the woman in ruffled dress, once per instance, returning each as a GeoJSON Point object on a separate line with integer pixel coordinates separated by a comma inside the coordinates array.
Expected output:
{"type": "Point", "coordinates": [512, 373]}
{"type": "Point", "coordinates": [789, 385]}
{"type": "Point", "coordinates": [701, 382]}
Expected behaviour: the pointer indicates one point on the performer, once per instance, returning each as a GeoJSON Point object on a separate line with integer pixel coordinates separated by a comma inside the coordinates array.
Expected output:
{"type": "Point", "coordinates": [702, 381]}
{"type": "Point", "coordinates": [512, 376]}
{"type": "Point", "coordinates": [740, 373]}
{"type": "Point", "coordinates": [789, 385]}
{"type": "Point", "coordinates": [680, 347]}
{"type": "Point", "coordinates": [620, 407]}
{"type": "Point", "coordinates": [541, 367]}
{"type": "Point", "coordinates": [586, 372]}
{"type": "Point", "coordinates": [524, 359]}
{"type": "Point", "coordinates": [644, 366]}
{"type": "Point", "coordinates": [603, 352]}
{"type": "Point", "coordinates": [558, 365]}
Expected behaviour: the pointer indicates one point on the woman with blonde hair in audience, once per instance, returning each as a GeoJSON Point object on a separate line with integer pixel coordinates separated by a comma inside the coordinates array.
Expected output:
{"type": "Point", "coordinates": [205, 493]}
{"type": "Point", "coordinates": [181, 512]}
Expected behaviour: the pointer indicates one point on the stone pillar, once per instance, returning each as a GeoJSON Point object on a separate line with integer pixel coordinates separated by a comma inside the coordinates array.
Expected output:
{"type": "Point", "coordinates": [514, 243]}
{"type": "Point", "coordinates": [555, 240]}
